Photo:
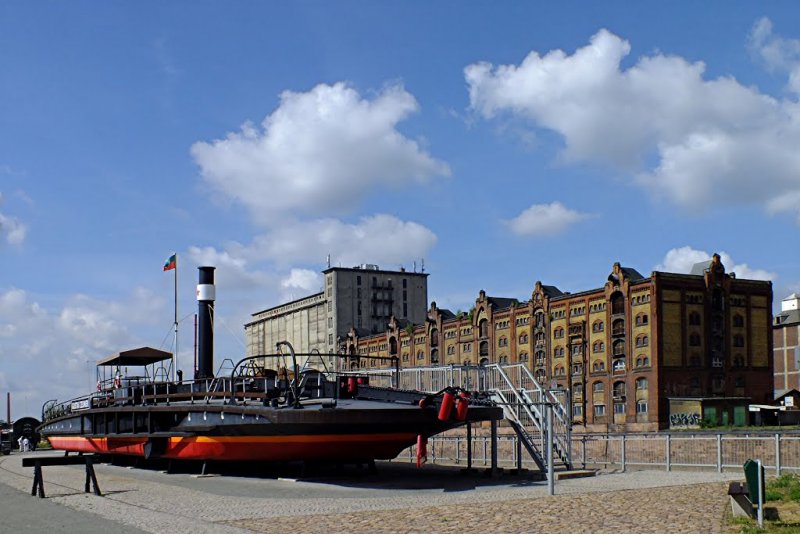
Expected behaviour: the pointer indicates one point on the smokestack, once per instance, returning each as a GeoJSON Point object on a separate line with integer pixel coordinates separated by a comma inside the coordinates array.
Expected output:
{"type": "Point", "coordinates": [206, 294]}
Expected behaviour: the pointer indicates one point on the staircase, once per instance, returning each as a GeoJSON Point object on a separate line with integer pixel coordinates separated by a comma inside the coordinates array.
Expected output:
{"type": "Point", "coordinates": [513, 387]}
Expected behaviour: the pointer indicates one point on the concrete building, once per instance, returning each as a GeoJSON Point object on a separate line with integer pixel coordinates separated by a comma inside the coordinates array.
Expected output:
{"type": "Point", "coordinates": [363, 298]}
{"type": "Point", "coordinates": [785, 334]}
{"type": "Point", "coordinates": [626, 351]}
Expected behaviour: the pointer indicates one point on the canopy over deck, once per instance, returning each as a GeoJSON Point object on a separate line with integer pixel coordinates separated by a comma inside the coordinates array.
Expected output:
{"type": "Point", "coordinates": [140, 356]}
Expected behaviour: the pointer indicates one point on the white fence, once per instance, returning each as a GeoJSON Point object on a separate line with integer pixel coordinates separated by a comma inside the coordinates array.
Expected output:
{"type": "Point", "coordinates": [778, 451]}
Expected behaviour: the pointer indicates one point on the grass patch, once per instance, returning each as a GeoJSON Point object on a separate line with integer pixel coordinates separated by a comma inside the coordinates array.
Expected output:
{"type": "Point", "coordinates": [782, 515]}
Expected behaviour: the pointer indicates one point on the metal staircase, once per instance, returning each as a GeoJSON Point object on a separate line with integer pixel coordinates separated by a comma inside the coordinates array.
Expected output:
{"type": "Point", "coordinates": [514, 388]}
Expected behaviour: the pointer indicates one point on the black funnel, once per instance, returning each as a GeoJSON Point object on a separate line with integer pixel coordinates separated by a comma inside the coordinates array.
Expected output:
{"type": "Point", "coordinates": [206, 293]}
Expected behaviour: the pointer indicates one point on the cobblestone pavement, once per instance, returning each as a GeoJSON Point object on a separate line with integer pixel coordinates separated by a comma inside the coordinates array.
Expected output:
{"type": "Point", "coordinates": [398, 499]}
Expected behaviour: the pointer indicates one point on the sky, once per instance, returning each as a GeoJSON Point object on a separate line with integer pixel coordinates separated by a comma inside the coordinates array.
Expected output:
{"type": "Point", "coordinates": [498, 143]}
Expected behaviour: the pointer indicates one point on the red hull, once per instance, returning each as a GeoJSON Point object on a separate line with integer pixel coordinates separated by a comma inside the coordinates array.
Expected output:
{"type": "Point", "coordinates": [240, 448]}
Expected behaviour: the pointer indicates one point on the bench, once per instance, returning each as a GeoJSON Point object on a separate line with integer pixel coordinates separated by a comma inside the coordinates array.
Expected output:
{"type": "Point", "coordinates": [744, 496]}
{"type": "Point", "coordinates": [38, 462]}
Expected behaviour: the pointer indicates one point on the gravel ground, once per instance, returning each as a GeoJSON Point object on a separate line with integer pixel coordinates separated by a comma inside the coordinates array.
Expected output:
{"type": "Point", "coordinates": [399, 498]}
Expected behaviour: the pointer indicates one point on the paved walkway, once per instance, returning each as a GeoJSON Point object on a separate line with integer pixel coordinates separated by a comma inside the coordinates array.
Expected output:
{"type": "Point", "coordinates": [399, 498]}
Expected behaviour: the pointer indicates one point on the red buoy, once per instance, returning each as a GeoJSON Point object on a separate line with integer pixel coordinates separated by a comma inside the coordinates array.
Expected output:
{"type": "Point", "coordinates": [462, 406]}
{"type": "Point", "coordinates": [447, 406]}
{"type": "Point", "coordinates": [352, 385]}
{"type": "Point", "coordinates": [422, 450]}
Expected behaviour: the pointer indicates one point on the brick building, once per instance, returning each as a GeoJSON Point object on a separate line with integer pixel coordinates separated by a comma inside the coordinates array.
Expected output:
{"type": "Point", "coordinates": [787, 348]}
{"type": "Point", "coordinates": [623, 350]}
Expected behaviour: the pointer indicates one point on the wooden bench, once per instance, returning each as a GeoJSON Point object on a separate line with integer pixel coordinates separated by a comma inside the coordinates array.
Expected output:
{"type": "Point", "coordinates": [38, 462]}
{"type": "Point", "coordinates": [741, 506]}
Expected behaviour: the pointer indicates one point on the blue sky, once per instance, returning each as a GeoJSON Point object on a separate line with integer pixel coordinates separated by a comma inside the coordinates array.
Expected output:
{"type": "Point", "coordinates": [503, 143]}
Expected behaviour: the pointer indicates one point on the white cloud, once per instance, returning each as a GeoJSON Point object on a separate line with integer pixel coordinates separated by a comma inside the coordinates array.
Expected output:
{"type": "Point", "coordinates": [317, 153]}
{"type": "Point", "coordinates": [53, 354]}
{"type": "Point", "coordinates": [381, 239]}
{"type": "Point", "coordinates": [681, 260]}
{"type": "Point", "coordinates": [11, 229]}
{"type": "Point", "coordinates": [304, 279]}
{"type": "Point", "coordinates": [778, 54]}
{"type": "Point", "coordinates": [545, 219]}
{"type": "Point", "coordinates": [698, 142]}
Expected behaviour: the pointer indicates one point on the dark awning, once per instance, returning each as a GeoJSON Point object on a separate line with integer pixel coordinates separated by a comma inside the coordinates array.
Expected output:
{"type": "Point", "coordinates": [140, 356]}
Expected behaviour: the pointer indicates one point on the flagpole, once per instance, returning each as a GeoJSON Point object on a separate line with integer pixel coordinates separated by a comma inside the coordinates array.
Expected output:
{"type": "Point", "coordinates": [175, 356]}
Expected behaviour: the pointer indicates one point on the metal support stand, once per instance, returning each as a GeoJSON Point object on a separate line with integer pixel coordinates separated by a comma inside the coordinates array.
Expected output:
{"type": "Point", "coordinates": [494, 472]}
{"type": "Point", "coordinates": [469, 446]}
{"type": "Point", "coordinates": [550, 474]}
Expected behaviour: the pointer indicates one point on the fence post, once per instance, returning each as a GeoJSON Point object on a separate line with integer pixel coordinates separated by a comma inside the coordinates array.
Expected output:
{"type": "Point", "coordinates": [623, 453]}
{"type": "Point", "coordinates": [669, 465]}
{"type": "Point", "coordinates": [719, 453]}
{"type": "Point", "coordinates": [777, 454]}
{"type": "Point", "coordinates": [583, 451]}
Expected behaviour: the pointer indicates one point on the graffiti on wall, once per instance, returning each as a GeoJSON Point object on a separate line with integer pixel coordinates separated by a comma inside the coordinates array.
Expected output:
{"type": "Point", "coordinates": [684, 419]}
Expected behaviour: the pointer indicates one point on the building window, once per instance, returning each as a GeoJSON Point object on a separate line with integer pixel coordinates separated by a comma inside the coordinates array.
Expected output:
{"type": "Point", "coordinates": [694, 339]}
{"type": "Point", "coordinates": [598, 366]}
{"type": "Point", "coordinates": [523, 357]}
{"type": "Point", "coordinates": [619, 408]}
{"type": "Point", "coordinates": [619, 348]}
{"type": "Point", "coordinates": [577, 390]}
{"type": "Point", "coordinates": [598, 388]}
{"type": "Point", "coordinates": [641, 406]}
{"type": "Point", "coordinates": [523, 339]}
{"type": "Point", "coordinates": [502, 342]}
{"type": "Point", "coordinates": [558, 352]}
{"type": "Point", "coordinates": [642, 341]}
{"type": "Point", "coordinates": [405, 283]}
{"type": "Point", "coordinates": [330, 322]}
{"type": "Point", "coordinates": [330, 339]}
{"type": "Point", "coordinates": [577, 369]}
{"type": "Point", "coordinates": [559, 371]}
{"type": "Point", "coordinates": [330, 306]}
{"type": "Point", "coordinates": [420, 355]}
{"type": "Point", "coordinates": [738, 321]}
{"type": "Point", "coordinates": [694, 318]}
{"type": "Point", "coordinates": [577, 350]}
{"type": "Point", "coordinates": [451, 350]}
{"type": "Point", "coordinates": [558, 333]}
{"type": "Point", "coordinates": [599, 410]}
{"type": "Point", "coordinates": [619, 389]}
{"type": "Point", "coordinates": [618, 327]}
{"type": "Point", "coordinates": [598, 326]}
{"type": "Point", "coordinates": [619, 365]}
{"type": "Point", "coordinates": [358, 280]}
{"type": "Point", "coordinates": [641, 319]}
{"type": "Point", "coordinates": [642, 361]}
{"type": "Point", "coordinates": [577, 411]}
{"type": "Point", "coordinates": [738, 340]}
{"type": "Point", "coordinates": [641, 383]}
{"type": "Point", "coordinates": [598, 346]}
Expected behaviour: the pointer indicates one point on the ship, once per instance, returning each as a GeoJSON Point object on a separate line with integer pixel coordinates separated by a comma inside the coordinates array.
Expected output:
{"type": "Point", "coordinates": [275, 407]}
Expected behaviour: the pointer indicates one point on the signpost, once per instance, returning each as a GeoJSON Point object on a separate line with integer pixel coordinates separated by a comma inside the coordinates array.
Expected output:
{"type": "Point", "coordinates": [754, 474]}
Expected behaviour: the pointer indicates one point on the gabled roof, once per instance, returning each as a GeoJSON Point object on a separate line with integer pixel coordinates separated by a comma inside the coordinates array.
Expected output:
{"type": "Point", "coordinates": [140, 356]}
{"type": "Point", "coordinates": [446, 314]}
{"type": "Point", "coordinates": [500, 303]}
{"type": "Point", "coordinates": [551, 291]}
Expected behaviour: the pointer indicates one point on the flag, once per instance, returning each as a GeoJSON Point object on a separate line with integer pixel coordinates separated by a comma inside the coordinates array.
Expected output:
{"type": "Point", "coordinates": [171, 263]}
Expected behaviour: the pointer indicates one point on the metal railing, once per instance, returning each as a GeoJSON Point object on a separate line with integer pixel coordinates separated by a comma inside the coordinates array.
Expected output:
{"type": "Point", "coordinates": [514, 388]}
{"type": "Point", "coordinates": [779, 452]}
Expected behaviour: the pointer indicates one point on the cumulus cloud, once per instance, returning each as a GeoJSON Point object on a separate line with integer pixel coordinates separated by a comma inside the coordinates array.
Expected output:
{"type": "Point", "coordinates": [546, 219]}
{"type": "Point", "coordinates": [382, 239]}
{"type": "Point", "coordinates": [304, 279]}
{"type": "Point", "coordinates": [696, 141]}
{"type": "Point", "coordinates": [11, 229]}
{"type": "Point", "coordinates": [317, 153]}
{"type": "Point", "coordinates": [65, 343]}
{"type": "Point", "coordinates": [778, 53]}
{"type": "Point", "coordinates": [681, 260]}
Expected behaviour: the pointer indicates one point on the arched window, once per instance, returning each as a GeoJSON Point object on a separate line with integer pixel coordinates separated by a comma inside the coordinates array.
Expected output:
{"type": "Point", "coordinates": [559, 371]}
{"type": "Point", "coordinates": [619, 348]}
{"type": "Point", "coordinates": [738, 340]}
{"type": "Point", "coordinates": [434, 337]}
{"type": "Point", "coordinates": [619, 389]}
{"type": "Point", "coordinates": [523, 339]}
{"type": "Point", "coordinates": [617, 303]}
{"type": "Point", "coordinates": [577, 390]}
{"type": "Point", "coordinates": [642, 341]}
{"type": "Point", "coordinates": [434, 356]}
{"type": "Point", "coordinates": [598, 346]}
{"type": "Point", "coordinates": [642, 361]}
{"type": "Point", "coordinates": [558, 333]}
{"type": "Point", "coordinates": [618, 327]}
{"type": "Point", "coordinates": [598, 326]}
{"type": "Point", "coordinates": [619, 364]}
{"type": "Point", "coordinates": [641, 319]}
{"type": "Point", "coordinates": [502, 342]}
{"type": "Point", "coordinates": [483, 328]}
{"type": "Point", "coordinates": [539, 356]}
{"type": "Point", "coordinates": [484, 349]}
{"type": "Point", "coordinates": [641, 406]}
{"type": "Point", "coordinates": [598, 366]}
{"type": "Point", "coordinates": [523, 357]}
{"type": "Point", "coordinates": [392, 346]}
{"type": "Point", "coordinates": [558, 352]}
{"type": "Point", "coordinates": [641, 383]}
{"type": "Point", "coordinates": [420, 355]}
